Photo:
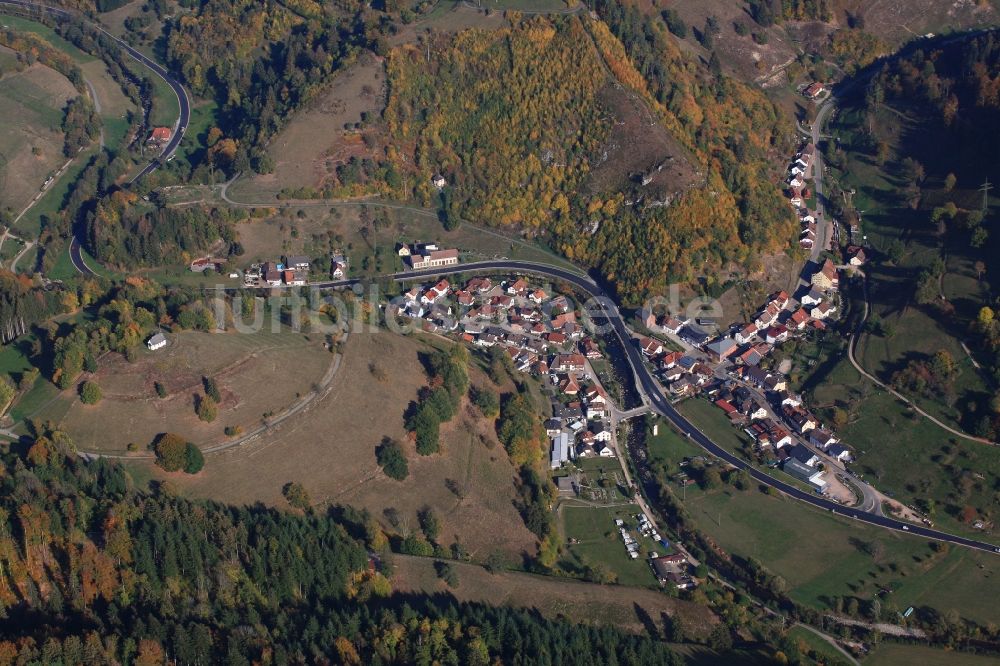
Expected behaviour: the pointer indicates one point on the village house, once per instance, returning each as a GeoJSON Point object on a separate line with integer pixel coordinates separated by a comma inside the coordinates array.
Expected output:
{"type": "Point", "coordinates": [840, 452]}
{"type": "Point", "coordinates": [821, 438]}
{"type": "Point", "coordinates": [650, 346]}
{"type": "Point", "coordinates": [438, 181]}
{"type": "Point", "coordinates": [403, 250]}
{"type": "Point", "coordinates": [812, 297]}
{"type": "Point", "coordinates": [746, 334]}
{"type": "Point", "coordinates": [804, 455]}
{"type": "Point", "coordinates": [672, 325]}
{"type": "Point", "coordinates": [826, 277]}
{"type": "Point", "coordinates": [338, 266]}
{"type": "Point", "coordinates": [435, 293]}
{"type": "Point", "coordinates": [293, 278]}
{"type": "Point", "coordinates": [775, 383]}
{"type": "Point", "coordinates": [776, 334]}
{"type": "Point", "coordinates": [798, 319]}
{"type": "Point", "coordinates": [800, 419]}
{"type": "Point", "coordinates": [160, 136]}
{"type": "Point", "coordinates": [822, 311]}
{"type": "Point", "coordinates": [748, 357]}
{"type": "Point", "coordinates": [272, 276]}
{"type": "Point", "coordinates": [297, 263]}
{"type": "Point", "coordinates": [814, 90]}
{"type": "Point", "coordinates": [590, 349]}
{"type": "Point", "coordinates": [670, 359]}
{"type": "Point", "coordinates": [568, 363]}
{"type": "Point", "coordinates": [856, 255]}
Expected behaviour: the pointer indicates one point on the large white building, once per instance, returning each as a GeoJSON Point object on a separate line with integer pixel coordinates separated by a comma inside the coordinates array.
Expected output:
{"type": "Point", "coordinates": [434, 259]}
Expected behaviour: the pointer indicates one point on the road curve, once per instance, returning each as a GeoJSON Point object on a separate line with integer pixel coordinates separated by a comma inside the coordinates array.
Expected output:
{"type": "Point", "coordinates": [183, 103]}
{"type": "Point", "coordinates": [648, 385]}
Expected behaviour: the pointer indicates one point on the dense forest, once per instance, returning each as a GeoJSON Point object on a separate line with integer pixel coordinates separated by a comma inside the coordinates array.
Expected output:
{"type": "Point", "coordinates": [517, 125]}
{"type": "Point", "coordinates": [121, 233]}
{"type": "Point", "coordinates": [95, 571]}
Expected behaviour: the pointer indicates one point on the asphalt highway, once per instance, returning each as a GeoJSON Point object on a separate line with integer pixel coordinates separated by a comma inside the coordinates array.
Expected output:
{"type": "Point", "coordinates": [650, 387]}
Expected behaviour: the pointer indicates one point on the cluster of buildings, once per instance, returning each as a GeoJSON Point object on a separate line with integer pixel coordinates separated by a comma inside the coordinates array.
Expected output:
{"type": "Point", "coordinates": [292, 272]}
{"type": "Point", "coordinates": [800, 171]}
{"type": "Point", "coordinates": [580, 422]}
{"type": "Point", "coordinates": [511, 314]}
{"type": "Point", "coordinates": [426, 255]}
{"type": "Point", "coordinates": [730, 371]}
{"type": "Point", "coordinates": [541, 335]}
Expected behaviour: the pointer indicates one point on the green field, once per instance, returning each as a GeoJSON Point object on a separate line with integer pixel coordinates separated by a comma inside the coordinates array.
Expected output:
{"type": "Point", "coordinates": [896, 654]}
{"type": "Point", "coordinates": [823, 557]}
{"type": "Point", "coordinates": [713, 422]}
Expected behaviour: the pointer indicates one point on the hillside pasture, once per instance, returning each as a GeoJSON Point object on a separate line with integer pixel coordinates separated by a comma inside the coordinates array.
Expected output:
{"type": "Point", "coordinates": [822, 556]}
{"type": "Point", "coordinates": [587, 603]}
{"type": "Point", "coordinates": [308, 150]}
{"type": "Point", "coordinates": [257, 374]}
{"type": "Point", "coordinates": [330, 450]}
{"type": "Point", "coordinates": [31, 139]}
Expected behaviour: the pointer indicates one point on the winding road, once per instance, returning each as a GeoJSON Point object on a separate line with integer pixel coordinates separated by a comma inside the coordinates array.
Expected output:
{"type": "Point", "coordinates": [607, 312]}
{"type": "Point", "coordinates": [183, 103]}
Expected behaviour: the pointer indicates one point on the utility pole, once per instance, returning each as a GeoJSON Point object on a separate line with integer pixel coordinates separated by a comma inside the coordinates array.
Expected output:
{"type": "Point", "coordinates": [985, 189]}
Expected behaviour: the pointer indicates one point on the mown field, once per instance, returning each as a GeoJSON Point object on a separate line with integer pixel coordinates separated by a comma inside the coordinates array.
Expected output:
{"type": "Point", "coordinates": [330, 449]}
{"type": "Point", "coordinates": [31, 139]}
{"type": "Point", "coordinates": [823, 557]}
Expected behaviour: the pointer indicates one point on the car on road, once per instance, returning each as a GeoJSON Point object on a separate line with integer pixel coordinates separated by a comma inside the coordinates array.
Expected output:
{"type": "Point", "coordinates": [906, 527]}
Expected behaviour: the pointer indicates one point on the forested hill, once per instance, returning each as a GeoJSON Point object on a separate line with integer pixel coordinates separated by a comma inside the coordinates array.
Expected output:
{"type": "Point", "coordinates": [94, 571]}
{"type": "Point", "coordinates": [518, 121]}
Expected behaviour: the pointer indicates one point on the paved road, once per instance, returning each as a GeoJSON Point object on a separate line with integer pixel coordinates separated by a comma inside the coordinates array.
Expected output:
{"type": "Point", "coordinates": [650, 388]}
{"type": "Point", "coordinates": [183, 103]}
{"type": "Point", "coordinates": [822, 219]}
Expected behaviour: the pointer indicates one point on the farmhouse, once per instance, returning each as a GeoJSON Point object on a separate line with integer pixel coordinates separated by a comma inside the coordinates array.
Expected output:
{"type": "Point", "coordinates": [160, 136]}
{"type": "Point", "coordinates": [434, 259]}
{"type": "Point", "coordinates": [156, 341]}
{"type": "Point", "coordinates": [814, 90]}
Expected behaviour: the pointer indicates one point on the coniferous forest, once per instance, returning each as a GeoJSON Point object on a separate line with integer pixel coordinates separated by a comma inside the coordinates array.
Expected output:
{"type": "Point", "coordinates": [95, 571]}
